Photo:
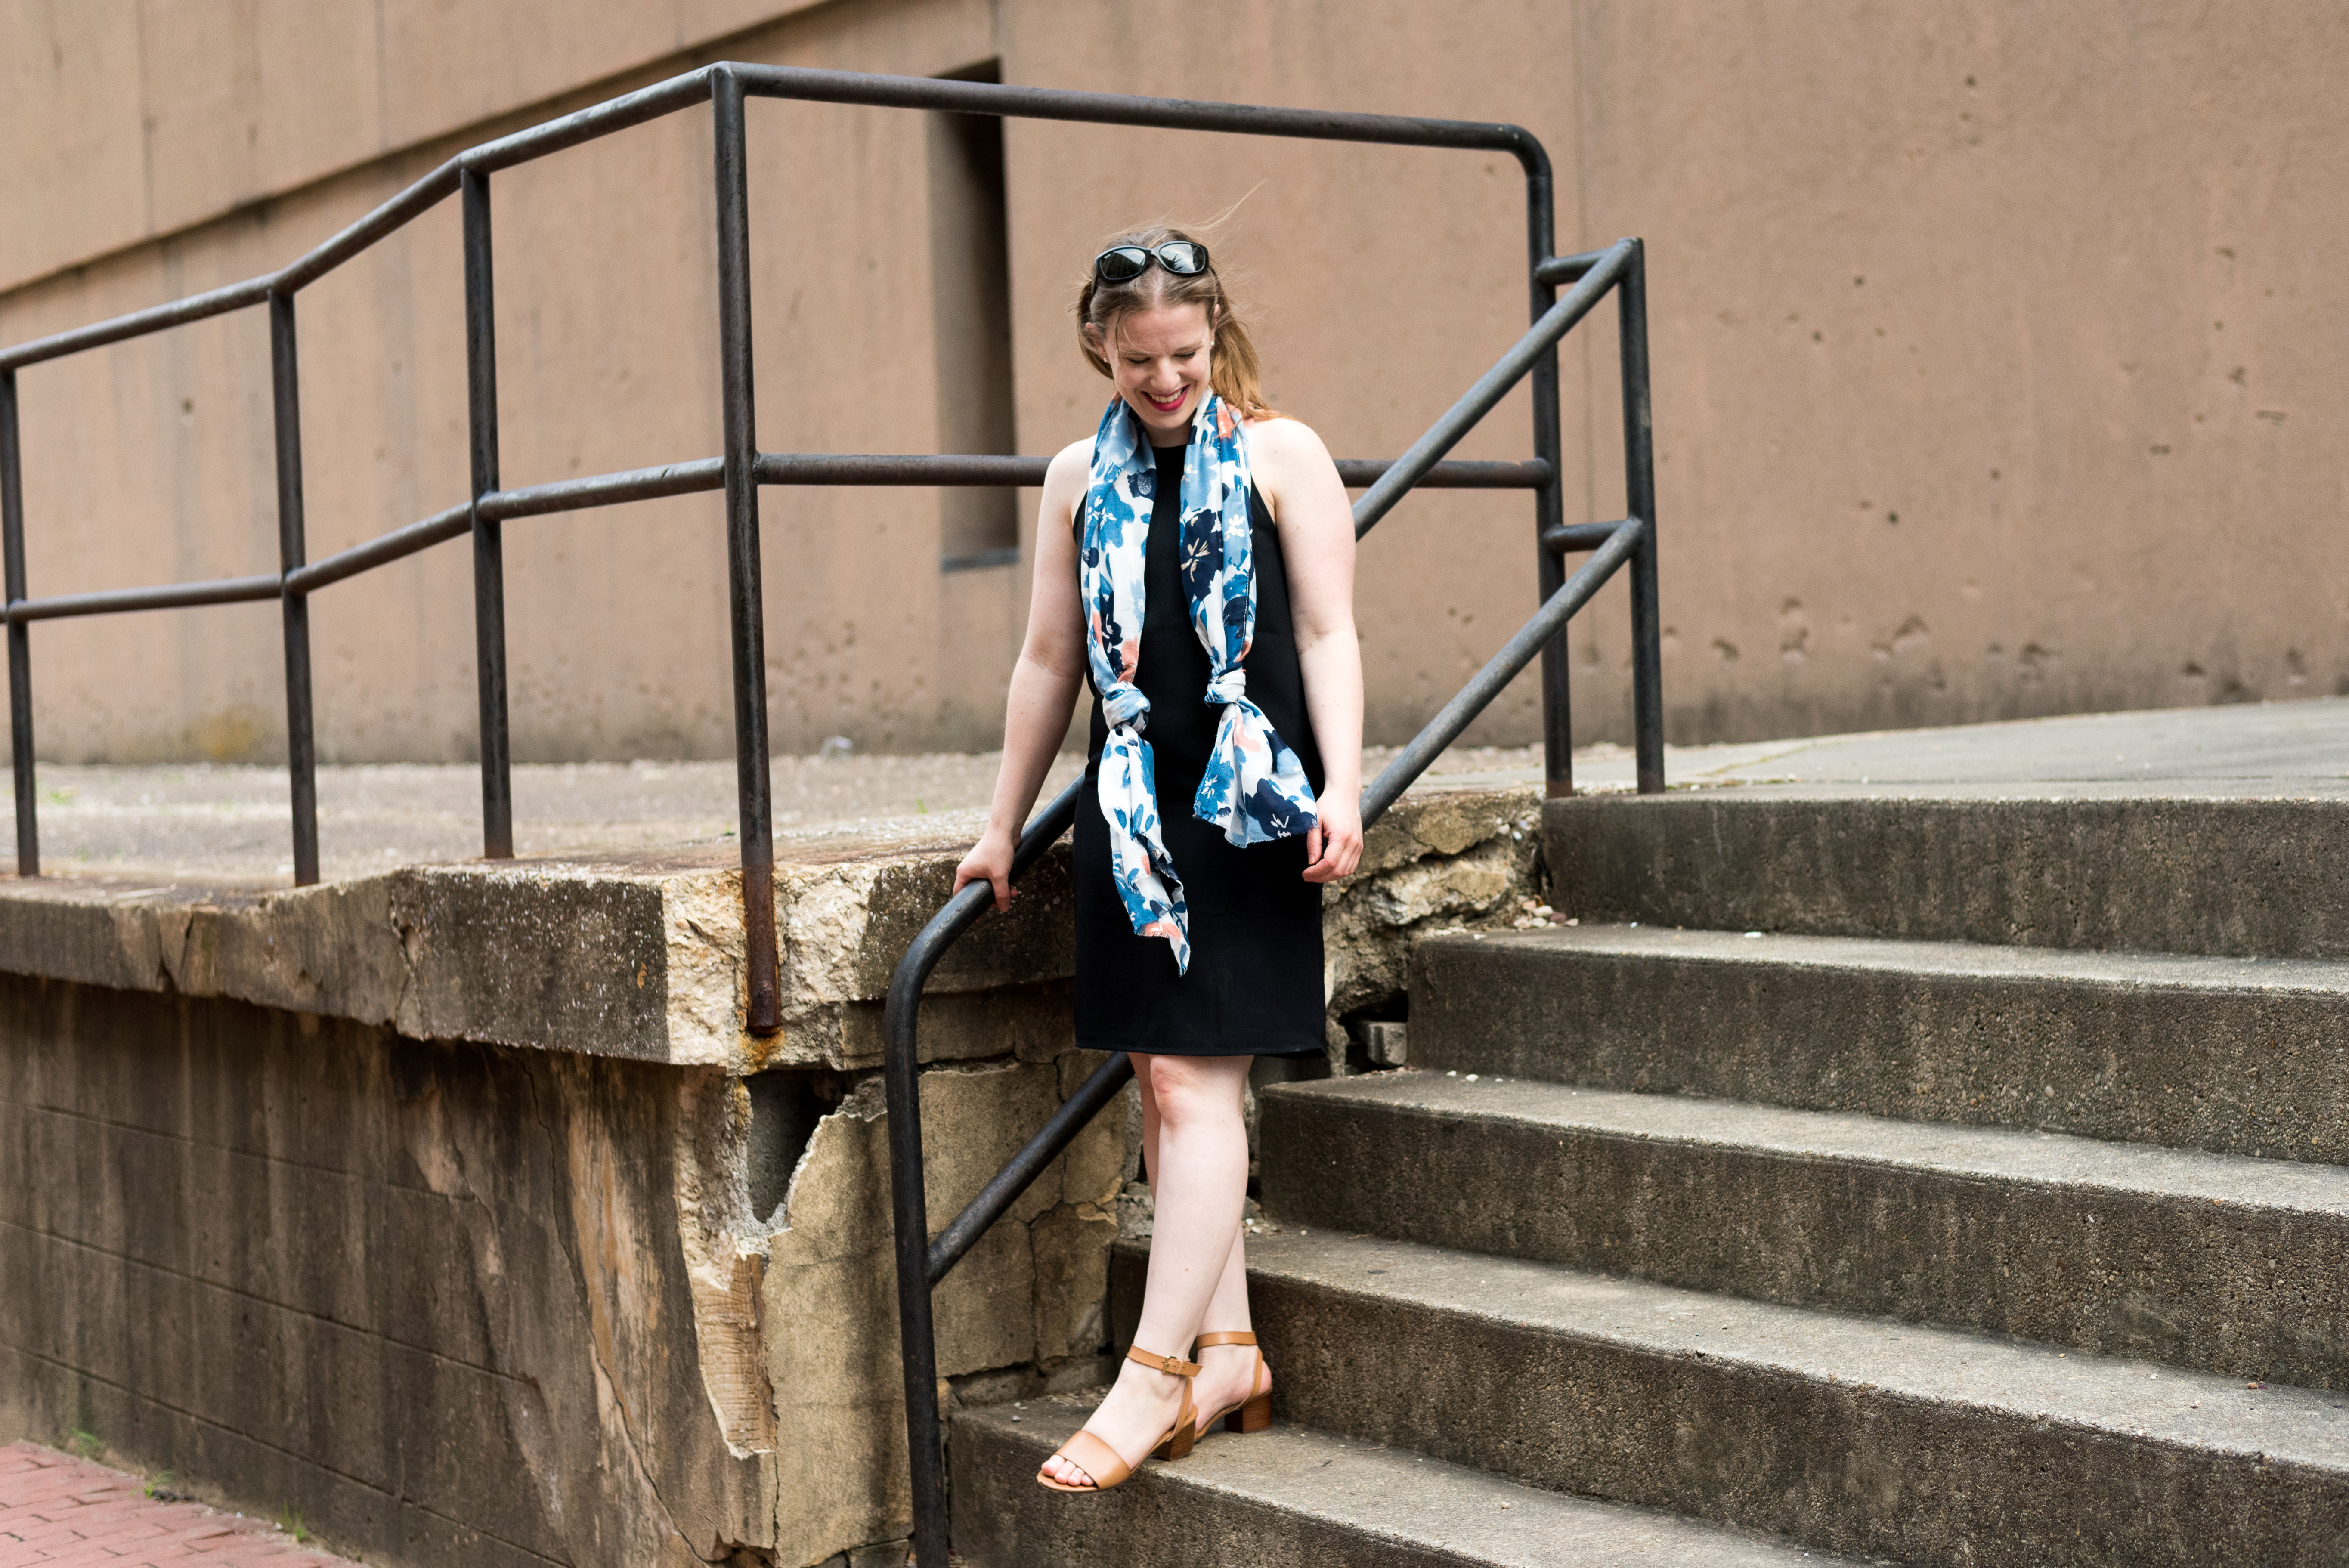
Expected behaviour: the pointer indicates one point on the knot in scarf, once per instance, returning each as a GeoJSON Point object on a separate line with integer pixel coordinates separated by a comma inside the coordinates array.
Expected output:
{"type": "Point", "coordinates": [1254, 786]}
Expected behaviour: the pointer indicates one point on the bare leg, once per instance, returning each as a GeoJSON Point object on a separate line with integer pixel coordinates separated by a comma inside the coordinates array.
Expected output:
{"type": "Point", "coordinates": [1199, 1171]}
{"type": "Point", "coordinates": [1228, 1372]}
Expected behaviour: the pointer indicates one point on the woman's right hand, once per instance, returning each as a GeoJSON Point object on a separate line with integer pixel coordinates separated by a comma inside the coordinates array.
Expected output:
{"type": "Point", "coordinates": [989, 860]}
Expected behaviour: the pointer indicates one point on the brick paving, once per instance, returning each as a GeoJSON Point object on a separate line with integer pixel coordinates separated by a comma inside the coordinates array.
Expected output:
{"type": "Point", "coordinates": [60, 1511]}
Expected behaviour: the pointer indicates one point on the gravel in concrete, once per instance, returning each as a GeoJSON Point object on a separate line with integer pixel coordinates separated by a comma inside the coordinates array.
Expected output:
{"type": "Point", "coordinates": [2231, 1264]}
{"type": "Point", "coordinates": [1961, 1372]}
{"type": "Point", "coordinates": [2241, 1056]}
{"type": "Point", "coordinates": [2086, 1166]}
{"type": "Point", "coordinates": [2144, 869]}
{"type": "Point", "coordinates": [1288, 1496]}
{"type": "Point", "coordinates": [1859, 1435]}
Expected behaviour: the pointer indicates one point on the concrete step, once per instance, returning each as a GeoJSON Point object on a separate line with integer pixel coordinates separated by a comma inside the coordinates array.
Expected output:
{"type": "Point", "coordinates": [2230, 1055]}
{"type": "Point", "coordinates": [2080, 866]}
{"type": "Point", "coordinates": [1929, 1446]}
{"type": "Point", "coordinates": [2218, 1261]}
{"type": "Point", "coordinates": [1287, 1496]}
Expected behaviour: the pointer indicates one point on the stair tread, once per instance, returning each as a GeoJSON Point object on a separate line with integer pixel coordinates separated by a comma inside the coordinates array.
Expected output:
{"type": "Point", "coordinates": [1958, 1150]}
{"type": "Point", "coordinates": [1939, 959]}
{"type": "Point", "coordinates": [2216, 789]}
{"type": "Point", "coordinates": [2028, 1381]}
{"type": "Point", "coordinates": [1468, 1515]}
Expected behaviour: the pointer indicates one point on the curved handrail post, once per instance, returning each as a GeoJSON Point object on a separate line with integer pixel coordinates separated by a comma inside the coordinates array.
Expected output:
{"type": "Point", "coordinates": [908, 1197]}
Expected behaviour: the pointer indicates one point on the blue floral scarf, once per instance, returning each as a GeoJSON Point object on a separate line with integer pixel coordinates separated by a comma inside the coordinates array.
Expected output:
{"type": "Point", "coordinates": [1254, 786]}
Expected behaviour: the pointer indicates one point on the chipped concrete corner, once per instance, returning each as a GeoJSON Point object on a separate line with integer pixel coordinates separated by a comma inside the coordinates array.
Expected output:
{"type": "Point", "coordinates": [678, 1364]}
{"type": "Point", "coordinates": [1466, 858]}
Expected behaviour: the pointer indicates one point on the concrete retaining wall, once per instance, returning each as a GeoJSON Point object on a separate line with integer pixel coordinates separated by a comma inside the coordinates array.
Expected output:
{"type": "Point", "coordinates": [453, 1208]}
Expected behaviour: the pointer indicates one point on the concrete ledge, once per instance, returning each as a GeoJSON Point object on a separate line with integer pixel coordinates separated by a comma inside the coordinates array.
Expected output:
{"type": "Point", "coordinates": [2217, 1054]}
{"type": "Point", "coordinates": [1861, 1436]}
{"type": "Point", "coordinates": [2228, 1264]}
{"type": "Point", "coordinates": [2081, 869]}
{"type": "Point", "coordinates": [640, 955]}
{"type": "Point", "coordinates": [1291, 1498]}
{"type": "Point", "coordinates": [635, 956]}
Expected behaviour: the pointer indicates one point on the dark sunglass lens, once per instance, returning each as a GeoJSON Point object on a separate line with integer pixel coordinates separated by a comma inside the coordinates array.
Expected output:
{"type": "Point", "coordinates": [1184, 258]}
{"type": "Point", "coordinates": [1121, 266]}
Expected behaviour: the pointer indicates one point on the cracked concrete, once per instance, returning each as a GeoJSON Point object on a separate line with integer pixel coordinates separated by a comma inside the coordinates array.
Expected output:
{"type": "Point", "coordinates": [635, 1364]}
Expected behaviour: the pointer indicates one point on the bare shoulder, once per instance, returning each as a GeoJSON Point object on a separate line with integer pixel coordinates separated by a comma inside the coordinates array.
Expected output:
{"type": "Point", "coordinates": [1065, 477]}
{"type": "Point", "coordinates": [1288, 443]}
{"type": "Point", "coordinates": [1294, 471]}
{"type": "Point", "coordinates": [1074, 460]}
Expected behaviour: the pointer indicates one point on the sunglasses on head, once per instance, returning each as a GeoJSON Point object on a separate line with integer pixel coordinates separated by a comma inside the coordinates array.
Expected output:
{"type": "Point", "coordinates": [1123, 264]}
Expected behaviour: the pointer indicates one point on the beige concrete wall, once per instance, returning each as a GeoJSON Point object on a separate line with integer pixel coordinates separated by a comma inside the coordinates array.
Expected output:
{"type": "Point", "coordinates": [2044, 284]}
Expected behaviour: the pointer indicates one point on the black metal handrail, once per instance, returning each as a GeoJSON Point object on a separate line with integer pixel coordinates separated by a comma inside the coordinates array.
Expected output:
{"type": "Point", "coordinates": [737, 471]}
{"type": "Point", "coordinates": [741, 467]}
{"type": "Point", "coordinates": [924, 1262]}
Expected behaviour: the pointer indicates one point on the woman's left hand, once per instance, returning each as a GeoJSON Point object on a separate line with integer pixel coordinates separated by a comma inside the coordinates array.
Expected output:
{"type": "Point", "coordinates": [1333, 844]}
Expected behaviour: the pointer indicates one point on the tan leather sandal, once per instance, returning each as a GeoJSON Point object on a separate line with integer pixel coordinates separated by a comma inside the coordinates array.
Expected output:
{"type": "Point", "coordinates": [1253, 1413]}
{"type": "Point", "coordinates": [1101, 1462]}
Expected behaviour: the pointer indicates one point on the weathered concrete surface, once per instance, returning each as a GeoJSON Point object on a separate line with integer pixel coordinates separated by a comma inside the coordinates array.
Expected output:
{"type": "Point", "coordinates": [433, 1294]}
{"type": "Point", "coordinates": [636, 957]}
{"type": "Point", "coordinates": [2243, 1056]}
{"type": "Point", "coordinates": [1441, 860]}
{"type": "Point", "coordinates": [1290, 1498]}
{"type": "Point", "coordinates": [1920, 1444]}
{"type": "Point", "coordinates": [2219, 831]}
{"type": "Point", "coordinates": [461, 1302]}
{"type": "Point", "coordinates": [638, 953]}
{"type": "Point", "coordinates": [2093, 867]}
{"type": "Point", "coordinates": [2228, 1264]}
{"type": "Point", "coordinates": [226, 823]}
{"type": "Point", "coordinates": [563, 1040]}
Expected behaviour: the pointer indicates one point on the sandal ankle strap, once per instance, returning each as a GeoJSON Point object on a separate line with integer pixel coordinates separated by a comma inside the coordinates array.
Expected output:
{"type": "Point", "coordinates": [1173, 1366]}
{"type": "Point", "coordinates": [1208, 1341]}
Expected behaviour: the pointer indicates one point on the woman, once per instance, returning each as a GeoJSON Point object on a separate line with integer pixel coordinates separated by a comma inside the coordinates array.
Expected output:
{"type": "Point", "coordinates": [1195, 561]}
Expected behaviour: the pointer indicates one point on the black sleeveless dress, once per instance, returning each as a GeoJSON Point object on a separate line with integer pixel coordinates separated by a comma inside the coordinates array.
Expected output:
{"type": "Point", "coordinates": [1255, 985]}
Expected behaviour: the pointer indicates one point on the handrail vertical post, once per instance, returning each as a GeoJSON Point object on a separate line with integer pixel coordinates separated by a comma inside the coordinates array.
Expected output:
{"type": "Point", "coordinates": [301, 742]}
{"type": "Point", "coordinates": [910, 1215]}
{"type": "Point", "coordinates": [745, 600]}
{"type": "Point", "coordinates": [489, 534]}
{"type": "Point", "coordinates": [1640, 487]}
{"type": "Point", "coordinates": [20, 651]}
{"type": "Point", "coordinates": [1549, 503]}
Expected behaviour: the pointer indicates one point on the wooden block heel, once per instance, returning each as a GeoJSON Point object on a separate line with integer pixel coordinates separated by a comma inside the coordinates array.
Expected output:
{"type": "Point", "coordinates": [1254, 1413]}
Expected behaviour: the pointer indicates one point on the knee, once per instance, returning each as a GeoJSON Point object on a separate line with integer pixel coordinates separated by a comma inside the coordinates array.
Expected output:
{"type": "Point", "coordinates": [1188, 1090]}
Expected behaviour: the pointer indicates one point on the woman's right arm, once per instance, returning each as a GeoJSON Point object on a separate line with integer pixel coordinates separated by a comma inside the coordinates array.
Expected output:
{"type": "Point", "coordinates": [1046, 680]}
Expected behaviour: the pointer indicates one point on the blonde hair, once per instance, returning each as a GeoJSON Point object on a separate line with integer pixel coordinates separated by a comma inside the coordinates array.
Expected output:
{"type": "Point", "coordinates": [1234, 372]}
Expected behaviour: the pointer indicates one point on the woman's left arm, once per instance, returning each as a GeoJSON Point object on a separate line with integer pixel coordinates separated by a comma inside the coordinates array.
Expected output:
{"type": "Point", "coordinates": [1317, 539]}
